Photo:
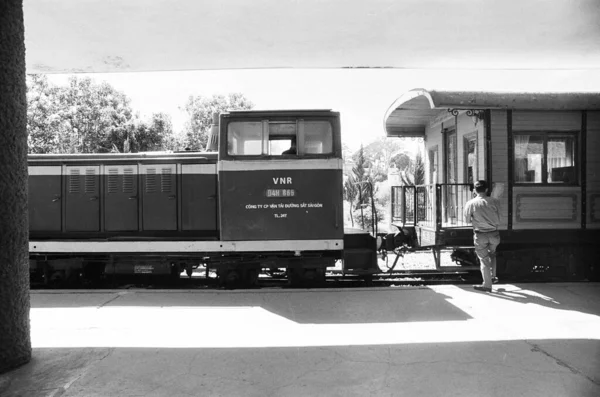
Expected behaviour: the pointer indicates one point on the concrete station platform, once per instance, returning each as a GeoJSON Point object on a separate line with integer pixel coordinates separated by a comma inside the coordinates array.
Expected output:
{"type": "Point", "coordinates": [522, 340]}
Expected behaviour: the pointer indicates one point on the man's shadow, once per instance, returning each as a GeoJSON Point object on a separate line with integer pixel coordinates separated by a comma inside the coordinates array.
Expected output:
{"type": "Point", "coordinates": [573, 298]}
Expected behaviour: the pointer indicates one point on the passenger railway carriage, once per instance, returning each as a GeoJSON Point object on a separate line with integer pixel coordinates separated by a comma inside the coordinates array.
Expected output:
{"type": "Point", "coordinates": [268, 197]}
{"type": "Point", "coordinates": [540, 153]}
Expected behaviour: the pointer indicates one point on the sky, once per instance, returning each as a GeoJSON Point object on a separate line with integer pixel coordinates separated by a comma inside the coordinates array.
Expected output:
{"type": "Point", "coordinates": [362, 96]}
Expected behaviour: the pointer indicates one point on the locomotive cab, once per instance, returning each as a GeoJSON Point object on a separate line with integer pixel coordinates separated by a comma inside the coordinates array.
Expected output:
{"type": "Point", "coordinates": [280, 184]}
{"type": "Point", "coordinates": [280, 177]}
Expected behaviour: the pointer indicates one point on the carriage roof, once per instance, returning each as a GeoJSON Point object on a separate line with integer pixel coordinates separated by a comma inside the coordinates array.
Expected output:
{"type": "Point", "coordinates": [408, 115]}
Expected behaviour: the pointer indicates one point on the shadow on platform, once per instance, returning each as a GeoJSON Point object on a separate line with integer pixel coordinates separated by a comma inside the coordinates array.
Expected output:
{"type": "Point", "coordinates": [498, 368]}
{"type": "Point", "coordinates": [581, 297]}
{"type": "Point", "coordinates": [323, 306]}
{"type": "Point", "coordinates": [319, 306]}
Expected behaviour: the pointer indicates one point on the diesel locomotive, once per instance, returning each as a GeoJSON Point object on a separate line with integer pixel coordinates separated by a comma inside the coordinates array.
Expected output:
{"type": "Point", "coordinates": [267, 194]}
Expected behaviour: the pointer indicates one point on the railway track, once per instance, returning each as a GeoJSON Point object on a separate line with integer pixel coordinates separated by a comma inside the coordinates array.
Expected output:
{"type": "Point", "coordinates": [334, 279]}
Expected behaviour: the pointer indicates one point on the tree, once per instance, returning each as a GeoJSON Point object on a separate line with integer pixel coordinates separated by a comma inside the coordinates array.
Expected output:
{"type": "Point", "coordinates": [43, 120]}
{"type": "Point", "coordinates": [346, 151]}
{"type": "Point", "coordinates": [401, 161]}
{"type": "Point", "coordinates": [365, 181]}
{"type": "Point", "coordinates": [359, 173]}
{"type": "Point", "coordinates": [419, 170]}
{"type": "Point", "coordinates": [97, 117]}
{"type": "Point", "coordinates": [350, 194]}
{"type": "Point", "coordinates": [415, 174]}
{"type": "Point", "coordinates": [85, 117]}
{"type": "Point", "coordinates": [200, 110]}
{"type": "Point", "coordinates": [370, 169]}
{"type": "Point", "coordinates": [153, 135]}
{"type": "Point", "coordinates": [379, 155]}
{"type": "Point", "coordinates": [174, 142]}
{"type": "Point", "coordinates": [82, 117]}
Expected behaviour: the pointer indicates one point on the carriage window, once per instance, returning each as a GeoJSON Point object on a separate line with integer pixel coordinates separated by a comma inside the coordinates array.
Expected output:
{"type": "Point", "coordinates": [529, 152]}
{"type": "Point", "coordinates": [545, 158]}
{"type": "Point", "coordinates": [561, 159]}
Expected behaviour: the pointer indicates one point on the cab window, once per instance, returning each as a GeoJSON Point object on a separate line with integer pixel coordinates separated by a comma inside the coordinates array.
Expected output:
{"type": "Point", "coordinates": [318, 137]}
{"type": "Point", "coordinates": [244, 138]}
{"type": "Point", "coordinates": [283, 138]}
{"type": "Point", "coordinates": [280, 138]}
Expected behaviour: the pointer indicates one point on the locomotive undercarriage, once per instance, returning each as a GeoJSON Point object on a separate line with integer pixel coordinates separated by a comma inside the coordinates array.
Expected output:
{"type": "Point", "coordinates": [228, 270]}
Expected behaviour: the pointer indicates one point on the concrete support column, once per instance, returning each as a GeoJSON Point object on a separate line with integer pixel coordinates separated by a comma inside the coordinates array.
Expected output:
{"type": "Point", "coordinates": [15, 342]}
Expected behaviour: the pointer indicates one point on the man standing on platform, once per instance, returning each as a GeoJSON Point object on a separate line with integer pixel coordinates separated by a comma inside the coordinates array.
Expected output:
{"type": "Point", "coordinates": [483, 213]}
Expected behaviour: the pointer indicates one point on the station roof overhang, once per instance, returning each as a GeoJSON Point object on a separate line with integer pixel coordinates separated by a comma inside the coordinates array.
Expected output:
{"type": "Point", "coordinates": [410, 114]}
{"type": "Point", "coordinates": [100, 36]}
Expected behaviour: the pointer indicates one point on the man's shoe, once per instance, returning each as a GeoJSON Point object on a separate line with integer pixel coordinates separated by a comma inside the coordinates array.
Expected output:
{"type": "Point", "coordinates": [482, 288]}
{"type": "Point", "coordinates": [494, 280]}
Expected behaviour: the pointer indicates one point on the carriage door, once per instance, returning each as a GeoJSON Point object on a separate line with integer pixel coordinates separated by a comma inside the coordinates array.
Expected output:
{"type": "Point", "coordinates": [433, 165]}
{"type": "Point", "coordinates": [45, 204]}
{"type": "Point", "coordinates": [470, 160]}
{"type": "Point", "coordinates": [159, 184]}
{"type": "Point", "coordinates": [121, 198]}
{"type": "Point", "coordinates": [83, 199]}
{"type": "Point", "coordinates": [451, 212]}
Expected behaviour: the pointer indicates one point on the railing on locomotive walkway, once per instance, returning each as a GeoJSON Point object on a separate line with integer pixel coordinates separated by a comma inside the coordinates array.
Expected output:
{"type": "Point", "coordinates": [436, 206]}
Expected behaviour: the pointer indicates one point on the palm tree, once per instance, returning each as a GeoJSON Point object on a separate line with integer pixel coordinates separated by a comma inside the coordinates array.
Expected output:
{"type": "Point", "coordinates": [350, 193]}
{"type": "Point", "coordinates": [415, 175]}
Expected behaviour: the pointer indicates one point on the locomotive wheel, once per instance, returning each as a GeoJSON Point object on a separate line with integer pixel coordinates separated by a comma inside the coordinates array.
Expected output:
{"type": "Point", "coordinates": [189, 270]}
{"type": "Point", "coordinates": [238, 278]}
{"type": "Point", "coordinates": [306, 278]}
{"type": "Point", "coordinates": [175, 271]}
{"type": "Point", "coordinates": [231, 278]}
{"type": "Point", "coordinates": [251, 277]}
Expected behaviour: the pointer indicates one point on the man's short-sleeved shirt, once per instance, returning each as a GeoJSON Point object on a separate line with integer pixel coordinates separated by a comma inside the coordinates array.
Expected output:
{"type": "Point", "coordinates": [483, 213]}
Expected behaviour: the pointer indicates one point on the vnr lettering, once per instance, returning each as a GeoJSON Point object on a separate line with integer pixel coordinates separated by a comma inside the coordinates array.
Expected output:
{"type": "Point", "coordinates": [283, 181]}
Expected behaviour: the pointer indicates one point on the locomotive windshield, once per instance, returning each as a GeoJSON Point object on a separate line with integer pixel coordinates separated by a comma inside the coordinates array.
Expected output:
{"type": "Point", "coordinates": [318, 137]}
{"type": "Point", "coordinates": [279, 138]}
{"type": "Point", "coordinates": [245, 138]}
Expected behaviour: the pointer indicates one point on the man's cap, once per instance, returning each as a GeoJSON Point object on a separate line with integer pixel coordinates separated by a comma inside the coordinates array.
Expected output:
{"type": "Point", "coordinates": [480, 184]}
